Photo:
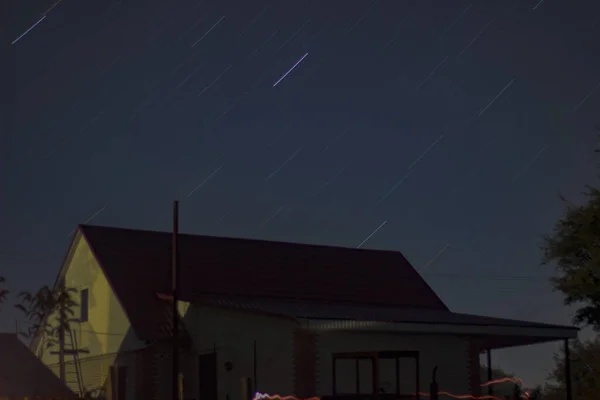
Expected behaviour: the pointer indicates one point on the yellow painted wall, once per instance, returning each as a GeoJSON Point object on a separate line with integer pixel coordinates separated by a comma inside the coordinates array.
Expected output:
{"type": "Point", "coordinates": [107, 328]}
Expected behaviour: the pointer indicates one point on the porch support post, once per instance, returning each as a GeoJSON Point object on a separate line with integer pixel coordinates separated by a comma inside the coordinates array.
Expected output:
{"type": "Point", "coordinates": [255, 368]}
{"type": "Point", "coordinates": [568, 388]}
{"type": "Point", "coordinates": [489, 372]}
{"type": "Point", "coordinates": [398, 377]}
{"type": "Point", "coordinates": [375, 378]}
{"type": "Point", "coordinates": [333, 373]}
{"type": "Point", "coordinates": [357, 366]}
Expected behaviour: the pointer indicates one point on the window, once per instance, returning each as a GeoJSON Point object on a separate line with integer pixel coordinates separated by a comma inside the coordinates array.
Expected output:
{"type": "Point", "coordinates": [84, 303]}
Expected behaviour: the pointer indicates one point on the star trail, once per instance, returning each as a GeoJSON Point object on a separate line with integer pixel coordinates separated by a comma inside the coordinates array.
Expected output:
{"type": "Point", "coordinates": [290, 70]}
{"type": "Point", "coordinates": [28, 30]}
{"type": "Point", "coordinates": [440, 129]}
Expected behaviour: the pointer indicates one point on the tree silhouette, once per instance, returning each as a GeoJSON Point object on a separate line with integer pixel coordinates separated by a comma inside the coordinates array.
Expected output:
{"type": "Point", "coordinates": [574, 246]}
{"type": "Point", "coordinates": [48, 312]}
{"type": "Point", "coordinates": [536, 393]}
{"type": "Point", "coordinates": [585, 372]}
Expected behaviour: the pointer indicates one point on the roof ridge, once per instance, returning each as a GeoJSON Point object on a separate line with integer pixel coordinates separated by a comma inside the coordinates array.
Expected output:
{"type": "Point", "coordinates": [248, 240]}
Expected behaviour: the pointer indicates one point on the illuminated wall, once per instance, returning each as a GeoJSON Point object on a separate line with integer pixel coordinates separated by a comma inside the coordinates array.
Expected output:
{"type": "Point", "coordinates": [232, 333]}
{"type": "Point", "coordinates": [107, 330]}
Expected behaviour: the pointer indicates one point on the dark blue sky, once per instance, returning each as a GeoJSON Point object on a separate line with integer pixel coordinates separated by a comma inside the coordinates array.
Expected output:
{"type": "Point", "coordinates": [449, 125]}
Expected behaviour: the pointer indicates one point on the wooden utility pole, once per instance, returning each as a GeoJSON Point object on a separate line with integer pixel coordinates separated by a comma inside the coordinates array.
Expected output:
{"type": "Point", "coordinates": [175, 286]}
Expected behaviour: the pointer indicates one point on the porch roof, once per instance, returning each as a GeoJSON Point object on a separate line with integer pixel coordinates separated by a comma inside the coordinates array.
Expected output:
{"type": "Point", "coordinates": [491, 332]}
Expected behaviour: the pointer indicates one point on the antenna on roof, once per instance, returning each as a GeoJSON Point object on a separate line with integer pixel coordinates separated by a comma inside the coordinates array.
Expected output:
{"type": "Point", "coordinates": [175, 285]}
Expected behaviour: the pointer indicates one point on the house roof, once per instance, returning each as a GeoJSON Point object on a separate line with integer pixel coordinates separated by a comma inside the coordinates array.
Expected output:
{"type": "Point", "coordinates": [137, 264]}
{"type": "Point", "coordinates": [24, 375]}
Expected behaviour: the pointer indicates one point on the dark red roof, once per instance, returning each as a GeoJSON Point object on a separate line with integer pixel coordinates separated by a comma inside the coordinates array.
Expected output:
{"type": "Point", "coordinates": [138, 265]}
{"type": "Point", "coordinates": [22, 374]}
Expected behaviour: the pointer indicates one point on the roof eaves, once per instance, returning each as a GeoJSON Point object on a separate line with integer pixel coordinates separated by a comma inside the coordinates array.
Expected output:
{"type": "Point", "coordinates": [325, 312]}
{"type": "Point", "coordinates": [533, 325]}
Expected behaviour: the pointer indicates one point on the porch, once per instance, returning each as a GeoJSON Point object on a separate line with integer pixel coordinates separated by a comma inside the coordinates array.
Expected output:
{"type": "Point", "coordinates": [478, 334]}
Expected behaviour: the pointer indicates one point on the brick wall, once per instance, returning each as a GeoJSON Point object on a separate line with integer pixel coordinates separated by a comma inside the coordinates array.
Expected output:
{"type": "Point", "coordinates": [305, 362]}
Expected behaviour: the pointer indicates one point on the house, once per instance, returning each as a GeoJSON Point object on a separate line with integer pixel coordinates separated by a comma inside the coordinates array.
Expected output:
{"type": "Point", "coordinates": [267, 317]}
{"type": "Point", "coordinates": [22, 375]}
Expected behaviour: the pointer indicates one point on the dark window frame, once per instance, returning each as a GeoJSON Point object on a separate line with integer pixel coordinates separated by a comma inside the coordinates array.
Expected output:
{"type": "Point", "coordinates": [375, 357]}
{"type": "Point", "coordinates": [84, 305]}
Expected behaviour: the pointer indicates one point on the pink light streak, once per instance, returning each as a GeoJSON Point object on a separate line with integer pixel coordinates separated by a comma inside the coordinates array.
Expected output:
{"type": "Point", "coordinates": [266, 396]}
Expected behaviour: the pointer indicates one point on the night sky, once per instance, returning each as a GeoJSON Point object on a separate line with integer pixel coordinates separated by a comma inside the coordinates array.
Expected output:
{"type": "Point", "coordinates": [442, 129]}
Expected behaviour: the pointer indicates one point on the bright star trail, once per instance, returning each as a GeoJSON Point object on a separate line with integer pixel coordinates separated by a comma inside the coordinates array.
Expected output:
{"type": "Point", "coordinates": [290, 70]}
{"type": "Point", "coordinates": [28, 30]}
{"type": "Point", "coordinates": [443, 130]}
